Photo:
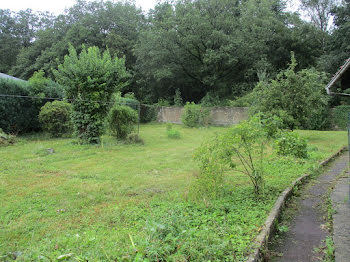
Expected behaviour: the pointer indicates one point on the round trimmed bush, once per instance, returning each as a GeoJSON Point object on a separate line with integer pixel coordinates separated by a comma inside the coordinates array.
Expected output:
{"type": "Point", "coordinates": [122, 121]}
{"type": "Point", "coordinates": [55, 118]}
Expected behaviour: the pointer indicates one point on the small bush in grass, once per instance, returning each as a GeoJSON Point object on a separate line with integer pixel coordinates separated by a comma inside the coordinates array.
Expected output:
{"type": "Point", "coordinates": [55, 118]}
{"type": "Point", "coordinates": [171, 132]}
{"type": "Point", "coordinates": [195, 115]}
{"type": "Point", "coordinates": [174, 134]}
{"type": "Point", "coordinates": [290, 143]}
{"type": "Point", "coordinates": [122, 121]}
{"type": "Point", "coordinates": [6, 139]}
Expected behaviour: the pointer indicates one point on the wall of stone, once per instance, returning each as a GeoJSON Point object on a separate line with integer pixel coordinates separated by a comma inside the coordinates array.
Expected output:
{"type": "Point", "coordinates": [222, 116]}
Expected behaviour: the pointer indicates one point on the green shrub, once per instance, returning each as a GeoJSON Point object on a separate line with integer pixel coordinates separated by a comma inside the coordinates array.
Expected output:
{"type": "Point", "coordinates": [341, 117]}
{"type": "Point", "coordinates": [291, 144]}
{"type": "Point", "coordinates": [177, 98]}
{"type": "Point", "coordinates": [243, 101]}
{"type": "Point", "coordinates": [274, 122]}
{"type": "Point", "coordinates": [17, 115]}
{"type": "Point", "coordinates": [122, 121]}
{"type": "Point", "coordinates": [173, 133]}
{"type": "Point", "coordinates": [127, 100]}
{"type": "Point", "coordinates": [6, 139]}
{"type": "Point", "coordinates": [271, 123]}
{"type": "Point", "coordinates": [301, 95]}
{"type": "Point", "coordinates": [55, 118]}
{"type": "Point", "coordinates": [20, 114]}
{"type": "Point", "coordinates": [209, 182]}
{"type": "Point", "coordinates": [195, 115]}
{"type": "Point", "coordinates": [44, 87]}
{"type": "Point", "coordinates": [91, 78]}
{"type": "Point", "coordinates": [148, 113]}
{"type": "Point", "coordinates": [163, 102]}
{"type": "Point", "coordinates": [242, 144]}
{"type": "Point", "coordinates": [210, 100]}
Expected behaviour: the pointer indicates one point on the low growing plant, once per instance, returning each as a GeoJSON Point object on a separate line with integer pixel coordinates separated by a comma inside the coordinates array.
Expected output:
{"type": "Point", "coordinates": [290, 143]}
{"type": "Point", "coordinates": [174, 134]}
{"type": "Point", "coordinates": [171, 132]}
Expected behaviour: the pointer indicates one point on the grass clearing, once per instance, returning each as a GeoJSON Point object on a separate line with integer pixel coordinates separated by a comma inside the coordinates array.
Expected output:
{"type": "Point", "coordinates": [119, 202]}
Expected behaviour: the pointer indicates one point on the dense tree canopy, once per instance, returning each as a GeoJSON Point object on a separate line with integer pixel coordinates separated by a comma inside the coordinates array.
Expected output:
{"type": "Point", "coordinates": [338, 46]}
{"type": "Point", "coordinates": [192, 49]}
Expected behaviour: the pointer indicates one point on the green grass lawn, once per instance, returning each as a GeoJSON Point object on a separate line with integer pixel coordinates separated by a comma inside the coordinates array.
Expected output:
{"type": "Point", "coordinates": [120, 202]}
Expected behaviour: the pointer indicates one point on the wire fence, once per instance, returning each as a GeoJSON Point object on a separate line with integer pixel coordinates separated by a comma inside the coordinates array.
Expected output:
{"type": "Point", "coordinates": [134, 104]}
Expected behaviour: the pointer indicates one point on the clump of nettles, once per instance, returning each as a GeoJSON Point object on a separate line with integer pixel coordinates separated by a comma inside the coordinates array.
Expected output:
{"type": "Point", "coordinates": [6, 139]}
{"type": "Point", "coordinates": [172, 133]}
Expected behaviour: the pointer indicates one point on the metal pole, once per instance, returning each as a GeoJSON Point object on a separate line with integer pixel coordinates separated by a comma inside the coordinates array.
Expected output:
{"type": "Point", "coordinates": [138, 122]}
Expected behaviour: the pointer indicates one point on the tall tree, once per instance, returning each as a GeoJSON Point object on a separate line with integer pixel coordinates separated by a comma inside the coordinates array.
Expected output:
{"type": "Point", "coordinates": [9, 43]}
{"type": "Point", "coordinates": [338, 47]}
{"type": "Point", "coordinates": [216, 47]}
{"type": "Point", "coordinates": [90, 79]}
{"type": "Point", "coordinates": [319, 12]}
{"type": "Point", "coordinates": [96, 23]}
{"type": "Point", "coordinates": [17, 31]}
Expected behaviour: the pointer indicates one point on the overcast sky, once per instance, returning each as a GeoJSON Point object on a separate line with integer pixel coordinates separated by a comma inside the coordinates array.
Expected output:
{"type": "Point", "coordinates": [56, 6]}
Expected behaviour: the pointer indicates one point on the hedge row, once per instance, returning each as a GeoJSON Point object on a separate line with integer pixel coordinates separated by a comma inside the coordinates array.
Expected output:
{"type": "Point", "coordinates": [20, 114]}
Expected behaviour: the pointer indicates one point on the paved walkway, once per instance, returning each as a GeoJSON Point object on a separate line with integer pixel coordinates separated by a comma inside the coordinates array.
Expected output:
{"type": "Point", "coordinates": [341, 219]}
{"type": "Point", "coordinates": [307, 229]}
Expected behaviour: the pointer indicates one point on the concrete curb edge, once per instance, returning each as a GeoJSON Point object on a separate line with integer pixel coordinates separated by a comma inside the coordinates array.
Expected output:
{"type": "Point", "coordinates": [262, 239]}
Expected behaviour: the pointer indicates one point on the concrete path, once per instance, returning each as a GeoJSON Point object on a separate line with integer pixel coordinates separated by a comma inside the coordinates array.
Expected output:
{"type": "Point", "coordinates": [307, 229]}
{"type": "Point", "coordinates": [341, 219]}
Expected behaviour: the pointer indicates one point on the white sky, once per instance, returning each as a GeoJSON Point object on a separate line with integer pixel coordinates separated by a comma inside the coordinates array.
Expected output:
{"type": "Point", "coordinates": [56, 6]}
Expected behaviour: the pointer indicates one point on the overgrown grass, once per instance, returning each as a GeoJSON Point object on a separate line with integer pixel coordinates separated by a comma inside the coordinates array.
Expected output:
{"type": "Point", "coordinates": [119, 202]}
